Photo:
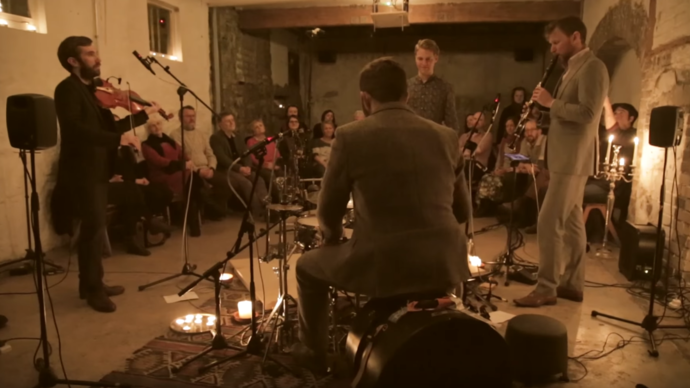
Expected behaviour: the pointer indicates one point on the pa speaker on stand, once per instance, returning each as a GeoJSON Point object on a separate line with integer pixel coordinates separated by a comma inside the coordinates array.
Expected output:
{"type": "Point", "coordinates": [30, 126]}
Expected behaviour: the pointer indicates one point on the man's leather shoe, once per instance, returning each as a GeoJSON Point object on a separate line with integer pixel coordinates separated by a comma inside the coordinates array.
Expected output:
{"type": "Point", "coordinates": [566, 293]}
{"type": "Point", "coordinates": [535, 299]}
{"type": "Point", "coordinates": [100, 302]}
{"type": "Point", "coordinates": [109, 291]}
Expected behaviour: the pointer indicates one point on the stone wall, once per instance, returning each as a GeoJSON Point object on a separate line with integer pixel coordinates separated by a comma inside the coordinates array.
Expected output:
{"type": "Point", "coordinates": [652, 29]}
{"type": "Point", "coordinates": [245, 71]}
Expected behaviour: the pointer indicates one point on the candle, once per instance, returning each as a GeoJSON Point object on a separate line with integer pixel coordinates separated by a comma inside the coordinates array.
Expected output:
{"type": "Point", "coordinates": [244, 309]}
{"type": "Point", "coordinates": [621, 162]}
{"type": "Point", "coordinates": [608, 149]}
{"type": "Point", "coordinates": [637, 141]}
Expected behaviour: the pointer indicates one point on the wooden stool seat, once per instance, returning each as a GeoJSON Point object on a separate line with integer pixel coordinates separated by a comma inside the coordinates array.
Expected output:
{"type": "Point", "coordinates": [602, 209]}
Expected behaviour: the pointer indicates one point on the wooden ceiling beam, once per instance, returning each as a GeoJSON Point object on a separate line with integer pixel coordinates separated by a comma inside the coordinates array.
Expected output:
{"type": "Point", "coordinates": [360, 15]}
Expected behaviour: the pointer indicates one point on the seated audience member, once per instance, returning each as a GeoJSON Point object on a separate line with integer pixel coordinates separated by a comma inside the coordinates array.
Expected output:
{"type": "Point", "coordinates": [270, 168]}
{"type": "Point", "coordinates": [292, 147]}
{"type": "Point", "coordinates": [490, 192]}
{"type": "Point", "coordinates": [484, 143]}
{"type": "Point", "coordinates": [198, 149]}
{"type": "Point", "coordinates": [619, 121]}
{"type": "Point", "coordinates": [503, 163]}
{"type": "Point", "coordinates": [326, 117]}
{"type": "Point", "coordinates": [292, 110]}
{"type": "Point", "coordinates": [511, 111]}
{"type": "Point", "coordinates": [321, 149]}
{"type": "Point", "coordinates": [410, 205]}
{"type": "Point", "coordinates": [228, 146]}
{"type": "Point", "coordinates": [534, 147]}
{"type": "Point", "coordinates": [359, 115]}
{"type": "Point", "coordinates": [165, 165]}
{"type": "Point", "coordinates": [136, 198]}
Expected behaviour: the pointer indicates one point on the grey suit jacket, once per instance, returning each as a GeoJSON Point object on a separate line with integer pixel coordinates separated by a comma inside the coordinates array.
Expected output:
{"type": "Point", "coordinates": [575, 115]}
{"type": "Point", "coordinates": [221, 148]}
{"type": "Point", "coordinates": [405, 176]}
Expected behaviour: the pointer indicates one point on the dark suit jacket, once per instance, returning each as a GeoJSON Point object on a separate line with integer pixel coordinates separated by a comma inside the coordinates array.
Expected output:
{"type": "Point", "coordinates": [405, 175]}
{"type": "Point", "coordinates": [89, 140]}
{"type": "Point", "coordinates": [221, 148]}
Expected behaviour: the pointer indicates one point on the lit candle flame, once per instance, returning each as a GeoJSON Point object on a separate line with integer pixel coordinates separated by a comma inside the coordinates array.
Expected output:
{"type": "Point", "coordinates": [475, 261]}
{"type": "Point", "coordinates": [637, 140]}
{"type": "Point", "coordinates": [621, 161]}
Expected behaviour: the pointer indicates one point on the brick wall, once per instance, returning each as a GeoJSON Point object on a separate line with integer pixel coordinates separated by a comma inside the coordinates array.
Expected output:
{"type": "Point", "coordinates": [245, 71]}
{"type": "Point", "coordinates": [653, 28]}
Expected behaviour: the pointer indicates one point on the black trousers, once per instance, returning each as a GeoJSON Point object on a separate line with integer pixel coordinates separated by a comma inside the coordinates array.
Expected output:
{"type": "Point", "coordinates": [90, 202]}
{"type": "Point", "coordinates": [138, 201]}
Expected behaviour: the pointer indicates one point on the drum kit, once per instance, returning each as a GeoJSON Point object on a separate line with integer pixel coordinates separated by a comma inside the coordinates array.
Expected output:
{"type": "Point", "coordinates": [383, 341]}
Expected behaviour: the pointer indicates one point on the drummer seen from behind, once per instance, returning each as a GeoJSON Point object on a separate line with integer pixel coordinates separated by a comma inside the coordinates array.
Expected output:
{"type": "Point", "coordinates": [409, 205]}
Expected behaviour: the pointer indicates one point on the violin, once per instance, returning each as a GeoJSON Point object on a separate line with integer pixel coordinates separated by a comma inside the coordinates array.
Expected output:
{"type": "Point", "coordinates": [111, 97]}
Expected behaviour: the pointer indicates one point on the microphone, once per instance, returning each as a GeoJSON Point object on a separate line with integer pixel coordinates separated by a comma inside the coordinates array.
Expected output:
{"type": "Point", "coordinates": [263, 143]}
{"type": "Point", "coordinates": [143, 61]}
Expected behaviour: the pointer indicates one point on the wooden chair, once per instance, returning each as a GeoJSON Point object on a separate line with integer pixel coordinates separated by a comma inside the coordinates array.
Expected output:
{"type": "Point", "coordinates": [602, 208]}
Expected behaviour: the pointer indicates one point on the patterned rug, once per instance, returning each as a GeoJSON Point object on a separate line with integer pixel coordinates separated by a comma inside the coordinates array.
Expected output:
{"type": "Point", "coordinates": [151, 366]}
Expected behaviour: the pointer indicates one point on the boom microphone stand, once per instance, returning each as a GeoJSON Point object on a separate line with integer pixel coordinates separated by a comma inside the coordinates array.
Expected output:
{"type": "Point", "coordinates": [651, 322]}
{"type": "Point", "coordinates": [46, 375]}
{"type": "Point", "coordinates": [30, 256]}
{"type": "Point", "coordinates": [254, 347]}
{"type": "Point", "coordinates": [187, 268]}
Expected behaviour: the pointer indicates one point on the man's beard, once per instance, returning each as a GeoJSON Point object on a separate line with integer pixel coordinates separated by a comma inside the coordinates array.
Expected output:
{"type": "Point", "coordinates": [86, 72]}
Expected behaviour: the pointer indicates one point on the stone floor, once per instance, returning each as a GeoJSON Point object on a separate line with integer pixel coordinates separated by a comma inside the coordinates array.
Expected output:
{"type": "Point", "coordinates": [94, 344]}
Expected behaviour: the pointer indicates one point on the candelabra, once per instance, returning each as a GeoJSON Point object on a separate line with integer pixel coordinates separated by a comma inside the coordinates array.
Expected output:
{"type": "Point", "coordinates": [613, 170]}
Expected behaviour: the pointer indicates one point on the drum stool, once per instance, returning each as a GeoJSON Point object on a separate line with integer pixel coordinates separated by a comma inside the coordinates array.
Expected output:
{"type": "Point", "coordinates": [538, 348]}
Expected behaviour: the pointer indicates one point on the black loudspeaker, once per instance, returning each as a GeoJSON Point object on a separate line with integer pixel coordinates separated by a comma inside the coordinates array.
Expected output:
{"type": "Point", "coordinates": [31, 122]}
{"type": "Point", "coordinates": [638, 248]}
{"type": "Point", "coordinates": [523, 55]}
{"type": "Point", "coordinates": [326, 57]}
{"type": "Point", "coordinates": [665, 126]}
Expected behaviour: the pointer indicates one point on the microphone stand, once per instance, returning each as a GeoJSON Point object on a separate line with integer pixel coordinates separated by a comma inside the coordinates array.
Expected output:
{"type": "Point", "coordinates": [187, 268]}
{"type": "Point", "coordinates": [650, 323]}
{"type": "Point", "coordinates": [167, 70]}
{"type": "Point", "coordinates": [30, 256]}
{"type": "Point", "coordinates": [254, 347]}
{"type": "Point", "coordinates": [472, 147]}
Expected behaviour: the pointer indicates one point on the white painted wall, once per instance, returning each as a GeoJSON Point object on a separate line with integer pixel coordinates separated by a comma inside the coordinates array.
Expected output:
{"type": "Point", "coordinates": [625, 85]}
{"type": "Point", "coordinates": [29, 65]}
{"type": "Point", "coordinates": [473, 75]}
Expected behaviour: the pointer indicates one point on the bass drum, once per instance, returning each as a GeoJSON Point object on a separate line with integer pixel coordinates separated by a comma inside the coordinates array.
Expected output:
{"type": "Point", "coordinates": [446, 348]}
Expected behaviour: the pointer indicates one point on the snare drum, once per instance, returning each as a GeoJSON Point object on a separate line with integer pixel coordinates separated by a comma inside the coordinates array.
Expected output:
{"type": "Point", "coordinates": [308, 234]}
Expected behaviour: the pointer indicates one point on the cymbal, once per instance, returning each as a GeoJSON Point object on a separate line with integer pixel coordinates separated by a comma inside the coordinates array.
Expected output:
{"type": "Point", "coordinates": [284, 208]}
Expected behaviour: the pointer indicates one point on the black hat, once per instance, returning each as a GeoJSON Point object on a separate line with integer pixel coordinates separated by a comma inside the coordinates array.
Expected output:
{"type": "Point", "coordinates": [624, 105]}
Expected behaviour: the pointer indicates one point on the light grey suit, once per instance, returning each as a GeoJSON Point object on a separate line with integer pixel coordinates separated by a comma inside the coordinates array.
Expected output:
{"type": "Point", "coordinates": [405, 175]}
{"type": "Point", "coordinates": [571, 153]}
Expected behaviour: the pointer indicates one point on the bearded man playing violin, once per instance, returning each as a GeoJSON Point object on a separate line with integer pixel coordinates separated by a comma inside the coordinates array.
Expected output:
{"type": "Point", "coordinates": [89, 141]}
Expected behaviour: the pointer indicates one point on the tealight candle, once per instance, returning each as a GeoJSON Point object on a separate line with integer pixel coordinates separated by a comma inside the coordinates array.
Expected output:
{"type": "Point", "coordinates": [244, 309]}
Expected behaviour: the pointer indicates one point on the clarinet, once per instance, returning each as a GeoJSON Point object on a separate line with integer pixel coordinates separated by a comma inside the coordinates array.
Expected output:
{"type": "Point", "coordinates": [520, 127]}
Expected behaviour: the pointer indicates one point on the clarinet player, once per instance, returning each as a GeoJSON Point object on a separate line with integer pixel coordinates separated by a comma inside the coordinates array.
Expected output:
{"type": "Point", "coordinates": [575, 110]}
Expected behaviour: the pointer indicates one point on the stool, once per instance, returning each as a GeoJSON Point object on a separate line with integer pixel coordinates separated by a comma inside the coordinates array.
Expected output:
{"type": "Point", "coordinates": [602, 208]}
{"type": "Point", "coordinates": [538, 347]}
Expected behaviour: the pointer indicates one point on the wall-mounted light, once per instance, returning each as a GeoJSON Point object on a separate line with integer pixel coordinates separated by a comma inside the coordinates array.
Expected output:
{"type": "Point", "coordinates": [172, 58]}
{"type": "Point", "coordinates": [31, 27]}
{"type": "Point", "coordinates": [3, 22]}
